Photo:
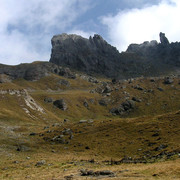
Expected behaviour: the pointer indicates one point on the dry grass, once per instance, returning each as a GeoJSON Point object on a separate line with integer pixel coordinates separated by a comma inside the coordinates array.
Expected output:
{"type": "Point", "coordinates": [108, 137]}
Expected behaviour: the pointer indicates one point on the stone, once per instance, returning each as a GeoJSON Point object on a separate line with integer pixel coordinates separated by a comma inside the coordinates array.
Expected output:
{"type": "Point", "coordinates": [86, 104]}
{"type": "Point", "coordinates": [162, 146]}
{"type": "Point", "coordinates": [63, 82]}
{"type": "Point", "coordinates": [123, 108]}
{"type": "Point", "coordinates": [136, 99]}
{"type": "Point", "coordinates": [32, 134]}
{"type": "Point", "coordinates": [85, 172]}
{"type": "Point", "coordinates": [67, 132]}
{"type": "Point", "coordinates": [23, 148]}
{"type": "Point", "coordinates": [168, 80]}
{"type": "Point", "coordinates": [60, 104]}
{"type": "Point", "coordinates": [103, 102]}
{"type": "Point", "coordinates": [40, 163]}
{"type": "Point", "coordinates": [59, 139]}
{"type": "Point", "coordinates": [48, 100]}
{"type": "Point", "coordinates": [92, 101]}
{"type": "Point", "coordinates": [152, 80]}
{"type": "Point", "coordinates": [83, 121]}
{"type": "Point", "coordinates": [87, 147]}
{"type": "Point", "coordinates": [138, 87]}
{"type": "Point", "coordinates": [160, 89]}
{"type": "Point", "coordinates": [70, 177]}
{"type": "Point", "coordinates": [66, 120]}
{"type": "Point", "coordinates": [107, 89]}
{"type": "Point", "coordinates": [128, 105]}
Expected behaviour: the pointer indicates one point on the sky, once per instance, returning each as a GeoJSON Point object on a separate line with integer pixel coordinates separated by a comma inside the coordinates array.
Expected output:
{"type": "Point", "coordinates": [26, 27]}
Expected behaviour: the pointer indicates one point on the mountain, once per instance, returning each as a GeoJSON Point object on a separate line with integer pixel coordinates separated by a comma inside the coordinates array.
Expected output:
{"type": "Point", "coordinates": [58, 122]}
{"type": "Point", "coordinates": [96, 56]}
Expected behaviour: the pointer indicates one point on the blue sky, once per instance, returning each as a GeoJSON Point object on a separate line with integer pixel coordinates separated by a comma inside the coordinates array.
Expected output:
{"type": "Point", "coordinates": [26, 27]}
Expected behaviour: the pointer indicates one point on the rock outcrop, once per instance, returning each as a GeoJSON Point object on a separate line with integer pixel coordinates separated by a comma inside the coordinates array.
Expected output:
{"type": "Point", "coordinates": [32, 72]}
{"type": "Point", "coordinates": [163, 39]}
{"type": "Point", "coordinates": [93, 55]}
{"type": "Point", "coordinates": [159, 55]}
{"type": "Point", "coordinates": [96, 56]}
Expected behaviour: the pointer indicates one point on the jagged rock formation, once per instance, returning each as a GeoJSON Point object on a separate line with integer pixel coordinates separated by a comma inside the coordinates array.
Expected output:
{"type": "Point", "coordinates": [158, 54]}
{"type": "Point", "coordinates": [163, 39]}
{"type": "Point", "coordinates": [89, 55]}
{"type": "Point", "coordinates": [95, 55]}
{"type": "Point", "coordinates": [33, 71]}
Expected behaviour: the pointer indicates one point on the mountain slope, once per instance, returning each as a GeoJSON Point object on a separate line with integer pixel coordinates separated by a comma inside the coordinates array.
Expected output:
{"type": "Point", "coordinates": [87, 134]}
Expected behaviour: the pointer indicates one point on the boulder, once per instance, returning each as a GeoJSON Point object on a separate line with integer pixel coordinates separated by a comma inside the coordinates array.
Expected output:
{"type": "Point", "coordinates": [64, 82]}
{"type": "Point", "coordinates": [103, 102]}
{"type": "Point", "coordinates": [123, 108]}
{"type": "Point", "coordinates": [40, 163]}
{"type": "Point", "coordinates": [128, 105]}
{"type": "Point", "coordinates": [60, 104]}
{"type": "Point", "coordinates": [168, 80]}
{"type": "Point", "coordinates": [85, 103]}
{"type": "Point", "coordinates": [107, 89]}
{"type": "Point", "coordinates": [48, 100]}
{"type": "Point", "coordinates": [85, 172]}
{"type": "Point", "coordinates": [136, 99]}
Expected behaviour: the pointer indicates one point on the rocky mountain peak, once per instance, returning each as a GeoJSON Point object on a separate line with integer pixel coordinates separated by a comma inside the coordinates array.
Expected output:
{"type": "Point", "coordinates": [89, 55]}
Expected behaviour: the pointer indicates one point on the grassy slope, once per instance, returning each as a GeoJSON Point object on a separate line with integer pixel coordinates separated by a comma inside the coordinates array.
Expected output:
{"type": "Point", "coordinates": [108, 137]}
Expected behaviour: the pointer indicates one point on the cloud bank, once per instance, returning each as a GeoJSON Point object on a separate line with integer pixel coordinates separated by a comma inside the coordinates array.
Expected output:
{"type": "Point", "coordinates": [139, 25]}
{"type": "Point", "coordinates": [26, 27]}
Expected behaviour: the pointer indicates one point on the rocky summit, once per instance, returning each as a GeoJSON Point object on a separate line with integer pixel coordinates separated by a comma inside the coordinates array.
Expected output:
{"type": "Point", "coordinates": [95, 55]}
{"type": "Point", "coordinates": [158, 54]}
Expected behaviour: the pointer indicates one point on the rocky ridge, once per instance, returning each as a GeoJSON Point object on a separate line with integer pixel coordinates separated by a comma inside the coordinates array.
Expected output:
{"type": "Point", "coordinates": [95, 55]}
{"type": "Point", "coordinates": [32, 72]}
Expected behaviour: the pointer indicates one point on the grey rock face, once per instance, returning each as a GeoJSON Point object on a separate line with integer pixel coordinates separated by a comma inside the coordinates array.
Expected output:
{"type": "Point", "coordinates": [96, 56]}
{"type": "Point", "coordinates": [89, 55]}
{"type": "Point", "coordinates": [158, 55]}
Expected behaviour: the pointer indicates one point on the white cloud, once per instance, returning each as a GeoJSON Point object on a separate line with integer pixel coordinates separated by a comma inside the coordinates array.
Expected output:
{"type": "Point", "coordinates": [139, 25]}
{"type": "Point", "coordinates": [26, 27]}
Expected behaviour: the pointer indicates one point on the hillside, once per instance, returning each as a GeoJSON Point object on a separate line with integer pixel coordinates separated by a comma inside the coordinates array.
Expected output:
{"type": "Point", "coordinates": [54, 125]}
